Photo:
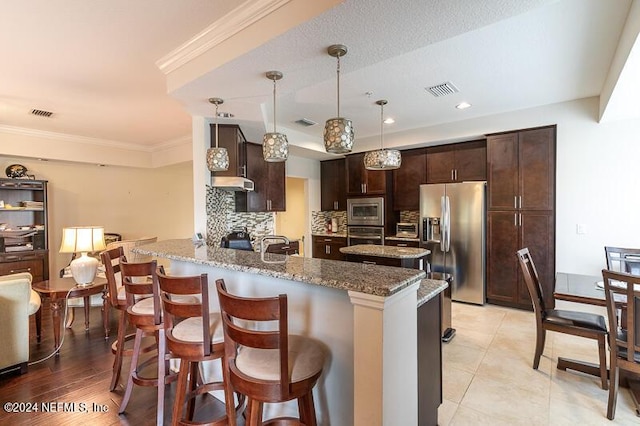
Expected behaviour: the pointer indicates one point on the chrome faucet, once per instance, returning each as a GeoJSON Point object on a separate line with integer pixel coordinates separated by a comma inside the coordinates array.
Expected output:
{"type": "Point", "coordinates": [263, 247]}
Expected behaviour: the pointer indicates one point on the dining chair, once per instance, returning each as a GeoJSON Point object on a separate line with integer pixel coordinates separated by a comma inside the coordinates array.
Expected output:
{"type": "Point", "coordinates": [267, 364]}
{"type": "Point", "coordinates": [623, 259]}
{"type": "Point", "coordinates": [622, 291]}
{"type": "Point", "coordinates": [583, 324]}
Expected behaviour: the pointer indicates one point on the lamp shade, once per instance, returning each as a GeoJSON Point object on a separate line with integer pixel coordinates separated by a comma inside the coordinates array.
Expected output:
{"type": "Point", "coordinates": [79, 239]}
{"type": "Point", "coordinates": [217, 159]}
{"type": "Point", "coordinates": [382, 159]}
{"type": "Point", "coordinates": [338, 135]}
{"type": "Point", "coordinates": [275, 147]}
{"type": "Point", "coordinates": [83, 239]}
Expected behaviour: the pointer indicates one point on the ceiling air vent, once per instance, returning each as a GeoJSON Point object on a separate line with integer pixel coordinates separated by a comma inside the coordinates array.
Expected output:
{"type": "Point", "coordinates": [41, 113]}
{"type": "Point", "coordinates": [442, 89]}
{"type": "Point", "coordinates": [305, 122]}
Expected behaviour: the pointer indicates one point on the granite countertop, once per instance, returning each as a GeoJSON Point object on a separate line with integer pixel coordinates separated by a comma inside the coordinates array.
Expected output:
{"type": "Point", "coordinates": [329, 234]}
{"type": "Point", "coordinates": [349, 276]}
{"type": "Point", "coordinates": [385, 251]}
{"type": "Point", "coordinates": [429, 289]}
{"type": "Point", "coordinates": [401, 238]}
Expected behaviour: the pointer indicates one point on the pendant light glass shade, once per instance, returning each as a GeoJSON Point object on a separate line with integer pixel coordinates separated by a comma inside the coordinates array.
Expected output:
{"type": "Point", "coordinates": [217, 158]}
{"type": "Point", "coordinates": [275, 146]}
{"type": "Point", "coordinates": [382, 159]}
{"type": "Point", "coordinates": [338, 131]}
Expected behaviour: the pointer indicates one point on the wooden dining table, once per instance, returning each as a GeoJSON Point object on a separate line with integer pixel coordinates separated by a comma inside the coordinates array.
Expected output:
{"type": "Point", "coordinates": [586, 289]}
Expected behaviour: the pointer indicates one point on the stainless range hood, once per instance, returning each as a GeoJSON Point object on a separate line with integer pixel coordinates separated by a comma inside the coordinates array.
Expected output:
{"type": "Point", "coordinates": [232, 183]}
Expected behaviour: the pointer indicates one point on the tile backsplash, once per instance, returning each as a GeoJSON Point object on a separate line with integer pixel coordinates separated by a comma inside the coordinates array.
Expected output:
{"type": "Point", "coordinates": [409, 216]}
{"type": "Point", "coordinates": [319, 220]}
{"type": "Point", "coordinates": [222, 218]}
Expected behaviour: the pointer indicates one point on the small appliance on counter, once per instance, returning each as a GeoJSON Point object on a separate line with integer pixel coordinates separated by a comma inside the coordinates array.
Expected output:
{"type": "Point", "coordinates": [239, 240]}
{"type": "Point", "coordinates": [407, 230]}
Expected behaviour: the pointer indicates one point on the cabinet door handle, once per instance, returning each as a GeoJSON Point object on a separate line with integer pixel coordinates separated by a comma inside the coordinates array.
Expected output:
{"type": "Point", "coordinates": [327, 249]}
{"type": "Point", "coordinates": [335, 205]}
{"type": "Point", "coordinates": [327, 240]}
{"type": "Point", "coordinates": [515, 201]}
{"type": "Point", "coordinates": [368, 262]}
{"type": "Point", "coordinates": [520, 220]}
{"type": "Point", "coordinates": [456, 174]}
{"type": "Point", "coordinates": [519, 201]}
{"type": "Point", "coordinates": [16, 271]}
{"type": "Point", "coordinates": [515, 220]}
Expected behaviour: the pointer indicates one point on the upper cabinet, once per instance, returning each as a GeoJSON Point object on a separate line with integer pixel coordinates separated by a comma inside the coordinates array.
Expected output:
{"type": "Point", "coordinates": [408, 178]}
{"type": "Point", "coordinates": [269, 180]}
{"type": "Point", "coordinates": [230, 136]}
{"type": "Point", "coordinates": [459, 162]}
{"type": "Point", "coordinates": [333, 195]}
{"type": "Point", "coordinates": [521, 170]}
{"type": "Point", "coordinates": [361, 181]}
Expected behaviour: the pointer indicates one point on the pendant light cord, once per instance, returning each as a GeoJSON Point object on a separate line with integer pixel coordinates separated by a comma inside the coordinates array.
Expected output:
{"type": "Point", "coordinates": [338, 79]}
{"type": "Point", "coordinates": [274, 105]}
{"type": "Point", "coordinates": [381, 127]}
{"type": "Point", "coordinates": [216, 125]}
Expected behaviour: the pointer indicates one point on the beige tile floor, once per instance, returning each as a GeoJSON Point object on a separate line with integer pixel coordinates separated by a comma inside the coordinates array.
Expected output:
{"type": "Point", "coordinates": [488, 378]}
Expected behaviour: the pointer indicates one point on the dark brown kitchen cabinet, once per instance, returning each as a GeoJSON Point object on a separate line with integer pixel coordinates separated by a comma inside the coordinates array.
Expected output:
{"type": "Point", "coordinates": [521, 170]}
{"type": "Point", "coordinates": [466, 161]}
{"type": "Point", "coordinates": [231, 137]}
{"type": "Point", "coordinates": [333, 195]}
{"type": "Point", "coordinates": [401, 243]}
{"type": "Point", "coordinates": [269, 179]}
{"type": "Point", "coordinates": [408, 178]}
{"type": "Point", "coordinates": [521, 213]}
{"type": "Point", "coordinates": [328, 247]}
{"type": "Point", "coordinates": [361, 181]}
{"type": "Point", "coordinates": [507, 233]}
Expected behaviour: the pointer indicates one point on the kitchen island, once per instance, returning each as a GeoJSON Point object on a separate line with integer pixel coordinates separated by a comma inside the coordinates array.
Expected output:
{"type": "Point", "coordinates": [365, 315]}
{"type": "Point", "coordinates": [404, 257]}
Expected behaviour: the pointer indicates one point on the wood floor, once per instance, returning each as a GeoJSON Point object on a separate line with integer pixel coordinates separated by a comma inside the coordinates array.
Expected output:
{"type": "Point", "coordinates": [80, 379]}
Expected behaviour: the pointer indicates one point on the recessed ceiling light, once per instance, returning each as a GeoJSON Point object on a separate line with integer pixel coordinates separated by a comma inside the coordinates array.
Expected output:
{"type": "Point", "coordinates": [389, 120]}
{"type": "Point", "coordinates": [463, 105]}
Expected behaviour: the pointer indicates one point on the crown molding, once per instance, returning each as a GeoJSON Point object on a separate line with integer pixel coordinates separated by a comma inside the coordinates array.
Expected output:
{"type": "Point", "coordinates": [233, 22]}
{"type": "Point", "coordinates": [43, 134]}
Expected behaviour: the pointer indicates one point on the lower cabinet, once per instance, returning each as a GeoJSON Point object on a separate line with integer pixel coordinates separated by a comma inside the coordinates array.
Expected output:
{"type": "Point", "coordinates": [37, 264]}
{"type": "Point", "coordinates": [508, 232]}
{"type": "Point", "coordinates": [401, 243]}
{"type": "Point", "coordinates": [328, 247]}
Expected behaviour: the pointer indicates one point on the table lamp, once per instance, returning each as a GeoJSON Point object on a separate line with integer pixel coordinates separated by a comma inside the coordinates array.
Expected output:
{"type": "Point", "coordinates": [83, 239]}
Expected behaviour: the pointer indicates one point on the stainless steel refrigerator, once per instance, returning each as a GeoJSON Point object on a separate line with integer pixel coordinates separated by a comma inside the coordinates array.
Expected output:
{"type": "Point", "coordinates": [452, 226]}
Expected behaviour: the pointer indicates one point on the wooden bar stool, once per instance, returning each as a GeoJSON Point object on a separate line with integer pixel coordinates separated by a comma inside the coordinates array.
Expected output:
{"type": "Point", "coordinates": [271, 366]}
{"type": "Point", "coordinates": [194, 335]}
{"type": "Point", "coordinates": [145, 314]}
{"type": "Point", "coordinates": [117, 299]}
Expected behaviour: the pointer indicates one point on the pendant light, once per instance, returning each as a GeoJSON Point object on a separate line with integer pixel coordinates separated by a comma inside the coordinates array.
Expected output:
{"type": "Point", "coordinates": [338, 131]}
{"type": "Point", "coordinates": [275, 147]}
{"type": "Point", "coordinates": [382, 159]}
{"type": "Point", "coordinates": [217, 158]}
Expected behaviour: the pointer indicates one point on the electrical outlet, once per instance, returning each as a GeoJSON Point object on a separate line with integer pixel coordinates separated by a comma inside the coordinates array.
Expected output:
{"type": "Point", "coordinates": [581, 228]}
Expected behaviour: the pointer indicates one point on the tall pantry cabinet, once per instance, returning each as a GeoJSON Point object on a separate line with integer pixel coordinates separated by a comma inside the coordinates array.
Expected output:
{"type": "Point", "coordinates": [520, 213]}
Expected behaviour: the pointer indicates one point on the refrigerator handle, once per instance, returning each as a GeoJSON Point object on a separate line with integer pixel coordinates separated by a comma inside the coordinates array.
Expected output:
{"type": "Point", "coordinates": [443, 229]}
{"type": "Point", "coordinates": [447, 225]}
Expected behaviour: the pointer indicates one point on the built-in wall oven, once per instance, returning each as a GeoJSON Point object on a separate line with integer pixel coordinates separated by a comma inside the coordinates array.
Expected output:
{"type": "Point", "coordinates": [365, 211]}
{"type": "Point", "coordinates": [365, 235]}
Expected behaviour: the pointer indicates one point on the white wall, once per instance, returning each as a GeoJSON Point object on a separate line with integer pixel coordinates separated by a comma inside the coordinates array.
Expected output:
{"type": "Point", "coordinates": [134, 202]}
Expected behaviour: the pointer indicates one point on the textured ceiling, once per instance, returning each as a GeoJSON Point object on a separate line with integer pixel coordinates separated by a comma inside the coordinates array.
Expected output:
{"type": "Point", "coordinates": [94, 64]}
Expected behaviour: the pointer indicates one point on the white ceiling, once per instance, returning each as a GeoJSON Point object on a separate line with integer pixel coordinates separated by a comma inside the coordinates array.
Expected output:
{"type": "Point", "coordinates": [94, 65]}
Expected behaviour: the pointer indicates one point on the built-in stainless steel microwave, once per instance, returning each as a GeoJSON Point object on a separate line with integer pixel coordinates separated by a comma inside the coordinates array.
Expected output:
{"type": "Point", "coordinates": [365, 211]}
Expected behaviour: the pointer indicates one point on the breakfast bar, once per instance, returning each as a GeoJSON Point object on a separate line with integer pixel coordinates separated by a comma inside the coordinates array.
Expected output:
{"type": "Point", "coordinates": [365, 315]}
